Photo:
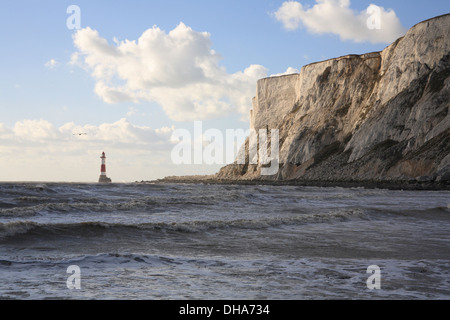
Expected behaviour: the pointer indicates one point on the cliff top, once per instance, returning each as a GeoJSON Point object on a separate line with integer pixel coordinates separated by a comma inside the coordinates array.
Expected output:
{"type": "Point", "coordinates": [369, 55]}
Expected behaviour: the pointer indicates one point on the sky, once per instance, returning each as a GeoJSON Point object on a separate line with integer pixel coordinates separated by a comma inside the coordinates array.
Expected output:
{"type": "Point", "coordinates": [135, 77]}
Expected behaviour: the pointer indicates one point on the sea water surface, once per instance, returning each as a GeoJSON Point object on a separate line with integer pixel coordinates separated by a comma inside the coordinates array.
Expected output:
{"type": "Point", "coordinates": [199, 241]}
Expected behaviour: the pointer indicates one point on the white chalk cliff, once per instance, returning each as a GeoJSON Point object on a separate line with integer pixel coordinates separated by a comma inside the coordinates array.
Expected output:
{"type": "Point", "coordinates": [377, 116]}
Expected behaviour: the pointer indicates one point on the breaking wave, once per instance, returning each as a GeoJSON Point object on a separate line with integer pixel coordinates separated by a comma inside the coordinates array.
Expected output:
{"type": "Point", "coordinates": [96, 228]}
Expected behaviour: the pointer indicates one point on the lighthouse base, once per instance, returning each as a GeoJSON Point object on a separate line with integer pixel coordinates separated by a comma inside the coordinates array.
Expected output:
{"type": "Point", "coordinates": [104, 179]}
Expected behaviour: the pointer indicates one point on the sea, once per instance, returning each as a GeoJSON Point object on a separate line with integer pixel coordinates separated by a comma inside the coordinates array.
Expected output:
{"type": "Point", "coordinates": [162, 241]}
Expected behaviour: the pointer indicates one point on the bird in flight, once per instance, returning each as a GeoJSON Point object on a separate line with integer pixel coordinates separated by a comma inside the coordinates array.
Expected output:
{"type": "Point", "coordinates": [80, 134]}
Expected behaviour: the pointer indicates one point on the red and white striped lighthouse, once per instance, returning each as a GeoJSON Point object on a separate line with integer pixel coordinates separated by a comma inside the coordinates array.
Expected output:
{"type": "Point", "coordinates": [103, 178]}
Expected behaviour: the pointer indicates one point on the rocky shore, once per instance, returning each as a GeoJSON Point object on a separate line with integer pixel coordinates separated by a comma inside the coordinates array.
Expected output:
{"type": "Point", "coordinates": [368, 184]}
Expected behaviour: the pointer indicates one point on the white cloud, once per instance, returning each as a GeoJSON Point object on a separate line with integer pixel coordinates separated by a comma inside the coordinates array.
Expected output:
{"type": "Point", "coordinates": [34, 130]}
{"type": "Point", "coordinates": [122, 132]}
{"type": "Point", "coordinates": [288, 71]}
{"type": "Point", "coordinates": [39, 150]}
{"type": "Point", "coordinates": [290, 14]}
{"type": "Point", "coordinates": [52, 63]}
{"type": "Point", "coordinates": [179, 70]}
{"type": "Point", "coordinates": [3, 130]}
{"type": "Point", "coordinates": [131, 111]}
{"type": "Point", "coordinates": [336, 17]}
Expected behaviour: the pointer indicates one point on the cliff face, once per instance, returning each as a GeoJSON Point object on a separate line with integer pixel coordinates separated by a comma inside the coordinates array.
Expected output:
{"type": "Point", "coordinates": [377, 116]}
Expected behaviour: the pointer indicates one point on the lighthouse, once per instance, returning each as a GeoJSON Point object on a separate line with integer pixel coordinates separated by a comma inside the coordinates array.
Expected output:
{"type": "Point", "coordinates": [103, 178]}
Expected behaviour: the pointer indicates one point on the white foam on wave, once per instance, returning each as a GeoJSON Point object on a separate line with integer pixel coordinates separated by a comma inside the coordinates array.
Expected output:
{"type": "Point", "coordinates": [16, 227]}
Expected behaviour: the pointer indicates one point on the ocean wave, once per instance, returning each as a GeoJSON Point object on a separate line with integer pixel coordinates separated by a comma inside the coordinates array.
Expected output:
{"type": "Point", "coordinates": [33, 205]}
{"type": "Point", "coordinates": [6, 205]}
{"type": "Point", "coordinates": [32, 199]}
{"type": "Point", "coordinates": [112, 258]}
{"type": "Point", "coordinates": [27, 188]}
{"type": "Point", "coordinates": [85, 206]}
{"type": "Point", "coordinates": [427, 213]}
{"type": "Point", "coordinates": [18, 211]}
{"type": "Point", "coordinates": [16, 228]}
{"type": "Point", "coordinates": [96, 228]}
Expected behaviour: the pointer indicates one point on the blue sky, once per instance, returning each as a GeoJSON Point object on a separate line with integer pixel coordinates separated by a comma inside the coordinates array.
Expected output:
{"type": "Point", "coordinates": [48, 89]}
